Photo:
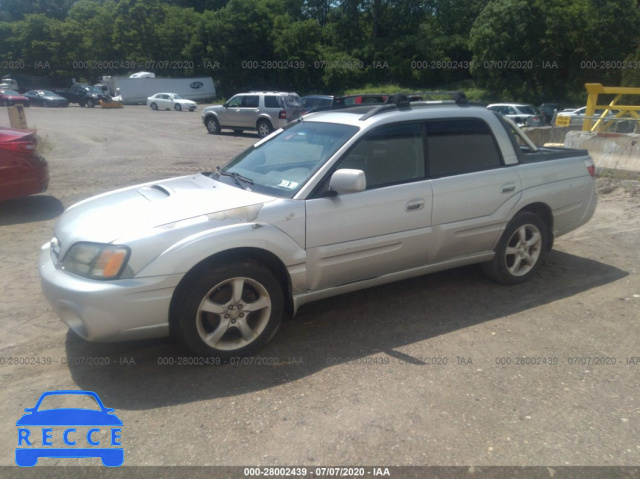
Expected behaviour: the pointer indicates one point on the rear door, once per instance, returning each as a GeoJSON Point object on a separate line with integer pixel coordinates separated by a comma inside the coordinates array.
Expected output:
{"type": "Point", "coordinates": [473, 191]}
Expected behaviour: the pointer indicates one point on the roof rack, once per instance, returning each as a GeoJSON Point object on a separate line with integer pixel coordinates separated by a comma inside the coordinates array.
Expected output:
{"type": "Point", "coordinates": [401, 101]}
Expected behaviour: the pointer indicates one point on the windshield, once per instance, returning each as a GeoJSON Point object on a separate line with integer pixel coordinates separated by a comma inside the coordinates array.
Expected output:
{"type": "Point", "coordinates": [177, 97]}
{"type": "Point", "coordinates": [94, 89]}
{"type": "Point", "coordinates": [282, 163]}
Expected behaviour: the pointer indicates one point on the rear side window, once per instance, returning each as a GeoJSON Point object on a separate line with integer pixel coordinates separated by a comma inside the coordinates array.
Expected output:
{"type": "Point", "coordinates": [251, 101]}
{"type": "Point", "coordinates": [271, 101]}
{"type": "Point", "coordinates": [460, 146]}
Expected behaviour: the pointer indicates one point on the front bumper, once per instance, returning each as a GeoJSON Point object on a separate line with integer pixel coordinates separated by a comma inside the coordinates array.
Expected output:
{"type": "Point", "coordinates": [136, 308]}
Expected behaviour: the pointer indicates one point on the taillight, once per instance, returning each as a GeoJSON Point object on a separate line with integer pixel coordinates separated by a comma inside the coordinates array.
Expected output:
{"type": "Point", "coordinates": [282, 115]}
{"type": "Point", "coordinates": [19, 146]}
{"type": "Point", "coordinates": [591, 168]}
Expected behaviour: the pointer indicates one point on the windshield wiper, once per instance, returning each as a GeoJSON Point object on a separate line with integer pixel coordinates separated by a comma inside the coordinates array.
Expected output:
{"type": "Point", "coordinates": [237, 177]}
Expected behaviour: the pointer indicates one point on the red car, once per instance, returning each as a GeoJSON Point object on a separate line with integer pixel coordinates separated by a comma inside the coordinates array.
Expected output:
{"type": "Point", "coordinates": [23, 171]}
{"type": "Point", "coordinates": [10, 98]}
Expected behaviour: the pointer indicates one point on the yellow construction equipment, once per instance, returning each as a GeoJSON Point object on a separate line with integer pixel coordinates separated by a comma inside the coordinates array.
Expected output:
{"type": "Point", "coordinates": [607, 118]}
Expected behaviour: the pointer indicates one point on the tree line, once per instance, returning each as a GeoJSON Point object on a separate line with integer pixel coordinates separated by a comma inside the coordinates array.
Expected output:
{"type": "Point", "coordinates": [525, 50]}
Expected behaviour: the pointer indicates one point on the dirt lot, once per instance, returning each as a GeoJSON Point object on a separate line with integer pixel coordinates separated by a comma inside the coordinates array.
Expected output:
{"type": "Point", "coordinates": [355, 382]}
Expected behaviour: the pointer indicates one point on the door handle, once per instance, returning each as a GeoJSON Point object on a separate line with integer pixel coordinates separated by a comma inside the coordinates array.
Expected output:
{"type": "Point", "coordinates": [508, 188]}
{"type": "Point", "coordinates": [414, 205]}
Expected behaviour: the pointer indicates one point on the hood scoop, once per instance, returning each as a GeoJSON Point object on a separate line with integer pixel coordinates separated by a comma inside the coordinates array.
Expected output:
{"type": "Point", "coordinates": [155, 192]}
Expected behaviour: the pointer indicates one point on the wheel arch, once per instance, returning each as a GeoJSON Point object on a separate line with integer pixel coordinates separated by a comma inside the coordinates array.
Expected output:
{"type": "Point", "coordinates": [240, 254]}
{"type": "Point", "coordinates": [543, 211]}
{"type": "Point", "coordinates": [262, 118]}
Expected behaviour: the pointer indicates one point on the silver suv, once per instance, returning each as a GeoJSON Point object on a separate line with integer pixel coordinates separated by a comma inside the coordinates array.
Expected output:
{"type": "Point", "coordinates": [263, 111]}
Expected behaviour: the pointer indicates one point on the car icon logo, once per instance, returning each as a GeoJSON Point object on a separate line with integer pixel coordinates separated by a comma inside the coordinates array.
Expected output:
{"type": "Point", "coordinates": [65, 430]}
{"type": "Point", "coordinates": [196, 84]}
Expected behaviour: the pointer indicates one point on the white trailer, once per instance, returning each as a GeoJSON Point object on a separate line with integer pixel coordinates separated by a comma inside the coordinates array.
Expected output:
{"type": "Point", "coordinates": [136, 90]}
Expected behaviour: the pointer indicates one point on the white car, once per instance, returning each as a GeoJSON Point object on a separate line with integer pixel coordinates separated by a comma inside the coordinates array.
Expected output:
{"type": "Point", "coordinates": [578, 116]}
{"type": "Point", "coordinates": [170, 101]}
{"type": "Point", "coordinates": [521, 114]}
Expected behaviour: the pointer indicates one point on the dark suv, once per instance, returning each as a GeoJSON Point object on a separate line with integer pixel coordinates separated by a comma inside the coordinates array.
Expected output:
{"type": "Point", "coordinates": [258, 110]}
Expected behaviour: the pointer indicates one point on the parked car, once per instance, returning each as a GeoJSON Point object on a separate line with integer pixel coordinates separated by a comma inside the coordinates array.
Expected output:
{"type": "Point", "coordinates": [578, 115]}
{"type": "Point", "coordinates": [360, 99]}
{"type": "Point", "coordinates": [311, 102]}
{"type": "Point", "coordinates": [521, 114]}
{"type": "Point", "coordinates": [46, 98]}
{"type": "Point", "coordinates": [335, 202]}
{"type": "Point", "coordinates": [260, 111]}
{"type": "Point", "coordinates": [8, 84]}
{"type": "Point", "coordinates": [11, 97]}
{"type": "Point", "coordinates": [23, 171]}
{"type": "Point", "coordinates": [170, 101]}
{"type": "Point", "coordinates": [84, 95]}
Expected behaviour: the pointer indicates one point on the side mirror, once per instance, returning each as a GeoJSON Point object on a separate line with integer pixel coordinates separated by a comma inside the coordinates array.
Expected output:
{"type": "Point", "coordinates": [347, 181]}
{"type": "Point", "coordinates": [226, 104]}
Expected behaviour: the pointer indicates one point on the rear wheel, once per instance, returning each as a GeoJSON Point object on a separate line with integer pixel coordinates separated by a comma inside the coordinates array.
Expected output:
{"type": "Point", "coordinates": [213, 126]}
{"type": "Point", "coordinates": [178, 107]}
{"type": "Point", "coordinates": [264, 128]}
{"type": "Point", "coordinates": [154, 106]}
{"type": "Point", "coordinates": [520, 251]}
{"type": "Point", "coordinates": [230, 310]}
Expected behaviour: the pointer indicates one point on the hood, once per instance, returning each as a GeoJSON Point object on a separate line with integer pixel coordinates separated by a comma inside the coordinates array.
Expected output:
{"type": "Point", "coordinates": [142, 210]}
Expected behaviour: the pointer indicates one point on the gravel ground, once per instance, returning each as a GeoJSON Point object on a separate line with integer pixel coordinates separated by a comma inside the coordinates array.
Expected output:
{"type": "Point", "coordinates": [421, 372]}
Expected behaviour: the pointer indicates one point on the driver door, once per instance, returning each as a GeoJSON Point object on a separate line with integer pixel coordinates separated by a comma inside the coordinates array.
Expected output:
{"type": "Point", "coordinates": [380, 230]}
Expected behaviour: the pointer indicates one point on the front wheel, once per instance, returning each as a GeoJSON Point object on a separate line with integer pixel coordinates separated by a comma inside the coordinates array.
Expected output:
{"type": "Point", "coordinates": [90, 103]}
{"type": "Point", "coordinates": [213, 126]}
{"type": "Point", "coordinates": [154, 106]}
{"type": "Point", "coordinates": [264, 128]}
{"type": "Point", "coordinates": [520, 251]}
{"type": "Point", "coordinates": [231, 310]}
{"type": "Point", "coordinates": [178, 107]}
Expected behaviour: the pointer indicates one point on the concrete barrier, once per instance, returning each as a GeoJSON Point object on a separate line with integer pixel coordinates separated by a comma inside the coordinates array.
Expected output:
{"type": "Point", "coordinates": [549, 134]}
{"type": "Point", "coordinates": [619, 151]}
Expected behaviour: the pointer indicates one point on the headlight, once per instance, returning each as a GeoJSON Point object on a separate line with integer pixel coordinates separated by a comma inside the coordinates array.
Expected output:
{"type": "Point", "coordinates": [96, 261]}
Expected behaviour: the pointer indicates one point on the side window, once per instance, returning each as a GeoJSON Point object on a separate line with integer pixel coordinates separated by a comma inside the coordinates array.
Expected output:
{"type": "Point", "coordinates": [389, 155]}
{"type": "Point", "coordinates": [251, 101]}
{"type": "Point", "coordinates": [235, 102]}
{"type": "Point", "coordinates": [460, 146]}
{"type": "Point", "coordinates": [271, 101]}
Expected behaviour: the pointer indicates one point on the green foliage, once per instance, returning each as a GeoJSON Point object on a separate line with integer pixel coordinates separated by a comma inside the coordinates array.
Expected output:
{"type": "Point", "coordinates": [324, 46]}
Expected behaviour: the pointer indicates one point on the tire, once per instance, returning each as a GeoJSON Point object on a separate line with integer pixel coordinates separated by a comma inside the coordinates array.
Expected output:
{"type": "Point", "coordinates": [154, 106]}
{"type": "Point", "coordinates": [211, 316]}
{"type": "Point", "coordinates": [90, 103]}
{"type": "Point", "coordinates": [213, 126]}
{"type": "Point", "coordinates": [178, 107]}
{"type": "Point", "coordinates": [521, 250]}
{"type": "Point", "coordinates": [82, 104]}
{"type": "Point", "coordinates": [264, 128]}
